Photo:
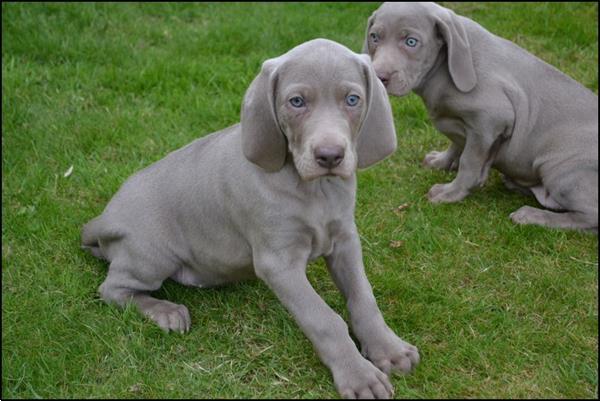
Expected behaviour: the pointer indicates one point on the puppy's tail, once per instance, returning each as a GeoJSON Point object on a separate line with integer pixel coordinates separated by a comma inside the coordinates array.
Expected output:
{"type": "Point", "coordinates": [91, 234]}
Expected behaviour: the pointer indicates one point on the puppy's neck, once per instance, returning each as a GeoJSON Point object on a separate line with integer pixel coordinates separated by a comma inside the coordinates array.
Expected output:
{"type": "Point", "coordinates": [426, 82]}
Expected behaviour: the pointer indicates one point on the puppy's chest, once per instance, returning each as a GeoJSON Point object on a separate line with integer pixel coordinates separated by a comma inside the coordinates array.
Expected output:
{"type": "Point", "coordinates": [325, 225]}
{"type": "Point", "coordinates": [316, 214]}
{"type": "Point", "coordinates": [448, 122]}
{"type": "Point", "coordinates": [450, 126]}
{"type": "Point", "coordinates": [323, 237]}
{"type": "Point", "coordinates": [446, 112]}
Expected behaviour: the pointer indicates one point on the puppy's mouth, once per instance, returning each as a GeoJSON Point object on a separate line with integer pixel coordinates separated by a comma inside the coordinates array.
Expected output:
{"type": "Point", "coordinates": [394, 85]}
{"type": "Point", "coordinates": [398, 88]}
{"type": "Point", "coordinates": [331, 173]}
{"type": "Point", "coordinates": [337, 173]}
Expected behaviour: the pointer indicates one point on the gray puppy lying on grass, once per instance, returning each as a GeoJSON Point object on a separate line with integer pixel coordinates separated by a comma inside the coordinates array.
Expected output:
{"type": "Point", "coordinates": [500, 106]}
{"type": "Point", "coordinates": [263, 198]}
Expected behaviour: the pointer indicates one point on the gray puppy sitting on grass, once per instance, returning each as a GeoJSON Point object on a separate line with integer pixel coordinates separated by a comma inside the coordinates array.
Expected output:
{"type": "Point", "coordinates": [263, 198]}
{"type": "Point", "coordinates": [499, 105]}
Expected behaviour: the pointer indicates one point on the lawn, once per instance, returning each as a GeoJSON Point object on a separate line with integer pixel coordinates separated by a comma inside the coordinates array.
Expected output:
{"type": "Point", "coordinates": [497, 310]}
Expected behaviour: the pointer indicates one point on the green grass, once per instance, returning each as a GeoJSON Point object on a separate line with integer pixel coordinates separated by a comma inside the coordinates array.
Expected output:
{"type": "Point", "coordinates": [497, 310]}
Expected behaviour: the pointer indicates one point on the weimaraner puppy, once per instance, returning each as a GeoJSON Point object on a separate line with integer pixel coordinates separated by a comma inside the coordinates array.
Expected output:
{"type": "Point", "coordinates": [499, 105]}
{"type": "Point", "coordinates": [262, 199]}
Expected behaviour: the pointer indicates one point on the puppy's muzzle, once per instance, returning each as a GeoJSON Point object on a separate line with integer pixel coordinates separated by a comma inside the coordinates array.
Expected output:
{"type": "Point", "coordinates": [384, 77]}
{"type": "Point", "coordinates": [329, 156]}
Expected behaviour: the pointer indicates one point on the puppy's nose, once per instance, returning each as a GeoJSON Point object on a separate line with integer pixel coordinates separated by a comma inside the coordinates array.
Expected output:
{"type": "Point", "coordinates": [384, 78]}
{"type": "Point", "coordinates": [329, 156]}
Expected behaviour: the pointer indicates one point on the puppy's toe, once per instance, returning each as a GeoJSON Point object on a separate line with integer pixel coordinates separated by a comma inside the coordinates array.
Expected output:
{"type": "Point", "coordinates": [170, 317]}
{"type": "Point", "coordinates": [527, 215]}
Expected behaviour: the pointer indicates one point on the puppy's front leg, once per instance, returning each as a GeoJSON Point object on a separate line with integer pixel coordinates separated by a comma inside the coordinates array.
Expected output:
{"type": "Point", "coordinates": [353, 375]}
{"type": "Point", "coordinates": [378, 342]}
{"type": "Point", "coordinates": [473, 169]}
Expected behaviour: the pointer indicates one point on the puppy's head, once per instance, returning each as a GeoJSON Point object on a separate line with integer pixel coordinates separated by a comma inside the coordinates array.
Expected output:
{"type": "Point", "coordinates": [404, 41]}
{"type": "Point", "coordinates": [322, 105]}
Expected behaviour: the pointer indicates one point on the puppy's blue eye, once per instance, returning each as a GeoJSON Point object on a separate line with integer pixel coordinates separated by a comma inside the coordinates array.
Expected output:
{"type": "Point", "coordinates": [297, 101]}
{"type": "Point", "coordinates": [411, 42]}
{"type": "Point", "coordinates": [352, 100]}
{"type": "Point", "coordinates": [374, 37]}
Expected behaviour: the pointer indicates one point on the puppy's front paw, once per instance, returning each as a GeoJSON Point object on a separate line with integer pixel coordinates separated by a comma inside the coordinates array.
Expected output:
{"type": "Point", "coordinates": [439, 160]}
{"type": "Point", "coordinates": [446, 193]}
{"type": "Point", "coordinates": [391, 354]}
{"type": "Point", "coordinates": [169, 316]}
{"type": "Point", "coordinates": [361, 379]}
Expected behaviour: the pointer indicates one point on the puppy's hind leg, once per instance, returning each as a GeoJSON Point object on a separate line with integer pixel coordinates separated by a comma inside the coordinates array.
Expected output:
{"type": "Point", "coordinates": [446, 160]}
{"type": "Point", "coordinates": [127, 282]}
{"type": "Point", "coordinates": [576, 192]}
{"type": "Point", "coordinates": [542, 217]}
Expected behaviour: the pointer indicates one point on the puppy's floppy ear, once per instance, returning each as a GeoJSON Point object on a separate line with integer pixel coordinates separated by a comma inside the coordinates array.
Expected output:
{"type": "Point", "coordinates": [263, 142]}
{"type": "Point", "coordinates": [365, 48]}
{"type": "Point", "coordinates": [377, 136]}
{"type": "Point", "coordinates": [460, 60]}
